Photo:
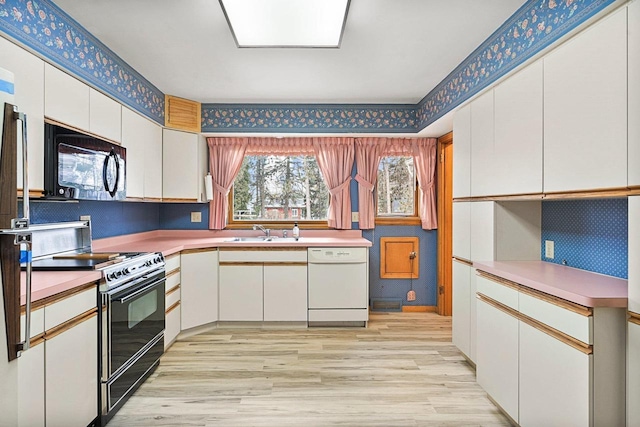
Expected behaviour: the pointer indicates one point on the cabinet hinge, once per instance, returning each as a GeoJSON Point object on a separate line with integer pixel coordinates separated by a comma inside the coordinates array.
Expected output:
{"type": "Point", "coordinates": [441, 290]}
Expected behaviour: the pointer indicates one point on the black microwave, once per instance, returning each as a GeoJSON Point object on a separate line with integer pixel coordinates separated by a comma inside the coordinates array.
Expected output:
{"type": "Point", "coordinates": [83, 167]}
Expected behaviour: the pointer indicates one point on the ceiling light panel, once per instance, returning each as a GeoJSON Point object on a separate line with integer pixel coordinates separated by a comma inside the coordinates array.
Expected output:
{"type": "Point", "coordinates": [286, 23]}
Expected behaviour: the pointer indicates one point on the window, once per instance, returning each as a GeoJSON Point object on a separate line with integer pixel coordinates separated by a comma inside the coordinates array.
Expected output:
{"type": "Point", "coordinates": [279, 188]}
{"type": "Point", "coordinates": [396, 187]}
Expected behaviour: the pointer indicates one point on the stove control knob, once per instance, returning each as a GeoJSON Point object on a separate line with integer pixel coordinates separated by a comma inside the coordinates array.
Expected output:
{"type": "Point", "coordinates": [118, 273]}
{"type": "Point", "coordinates": [125, 270]}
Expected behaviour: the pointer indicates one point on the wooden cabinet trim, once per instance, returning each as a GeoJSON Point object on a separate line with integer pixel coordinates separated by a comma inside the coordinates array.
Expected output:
{"type": "Point", "coordinates": [179, 200]}
{"type": "Point", "coordinates": [586, 194]}
{"type": "Point", "coordinates": [197, 251]}
{"type": "Point", "coordinates": [173, 307]}
{"type": "Point", "coordinates": [152, 199]}
{"type": "Point", "coordinates": [562, 303]}
{"type": "Point", "coordinates": [508, 310]}
{"type": "Point", "coordinates": [59, 297]}
{"type": "Point", "coordinates": [498, 280]}
{"type": "Point", "coordinates": [172, 290]}
{"type": "Point", "coordinates": [560, 336]}
{"type": "Point", "coordinates": [285, 263]}
{"type": "Point", "coordinates": [37, 340]}
{"type": "Point", "coordinates": [172, 273]}
{"type": "Point", "coordinates": [551, 299]}
{"type": "Point", "coordinates": [238, 263]}
{"type": "Point", "coordinates": [554, 333]}
{"type": "Point", "coordinates": [463, 261]}
{"type": "Point", "coordinates": [634, 318]}
{"type": "Point", "coordinates": [262, 249]}
{"type": "Point", "coordinates": [70, 323]}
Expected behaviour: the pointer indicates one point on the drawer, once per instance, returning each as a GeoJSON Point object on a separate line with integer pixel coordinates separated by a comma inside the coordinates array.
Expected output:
{"type": "Point", "coordinates": [565, 320]}
{"type": "Point", "coordinates": [172, 280]}
{"type": "Point", "coordinates": [70, 307]}
{"type": "Point", "coordinates": [172, 262]}
{"type": "Point", "coordinates": [497, 291]}
{"type": "Point", "coordinates": [276, 255]}
{"type": "Point", "coordinates": [172, 297]}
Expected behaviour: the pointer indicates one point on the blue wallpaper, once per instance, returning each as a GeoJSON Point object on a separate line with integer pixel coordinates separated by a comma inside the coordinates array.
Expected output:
{"type": "Point", "coordinates": [177, 216]}
{"type": "Point", "coordinates": [45, 28]}
{"type": "Point", "coordinates": [110, 219]}
{"type": "Point", "coordinates": [425, 286]}
{"type": "Point", "coordinates": [48, 30]}
{"type": "Point", "coordinates": [589, 234]}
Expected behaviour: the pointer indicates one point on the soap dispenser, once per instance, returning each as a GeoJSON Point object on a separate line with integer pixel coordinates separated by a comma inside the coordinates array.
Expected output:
{"type": "Point", "coordinates": [296, 231]}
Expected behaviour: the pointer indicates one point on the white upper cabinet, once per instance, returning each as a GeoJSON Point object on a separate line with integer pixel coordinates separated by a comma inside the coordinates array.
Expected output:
{"type": "Point", "coordinates": [143, 141]}
{"type": "Point", "coordinates": [634, 93]}
{"type": "Point", "coordinates": [483, 155]}
{"type": "Point", "coordinates": [153, 161]}
{"type": "Point", "coordinates": [28, 71]}
{"type": "Point", "coordinates": [133, 139]}
{"type": "Point", "coordinates": [462, 230]}
{"type": "Point", "coordinates": [483, 231]}
{"type": "Point", "coordinates": [516, 159]}
{"type": "Point", "coordinates": [182, 174]}
{"type": "Point", "coordinates": [66, 99]}
{"type": "Point", "coordinates": [462, 152]}
{"type": "Point", "coordinates": [585, 109]}
{"type": "Point", "coordinates": [105, 116]}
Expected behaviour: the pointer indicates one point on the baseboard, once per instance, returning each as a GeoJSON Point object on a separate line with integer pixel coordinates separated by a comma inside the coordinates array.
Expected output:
{"type": "Point", "coordinates": [419, 309]}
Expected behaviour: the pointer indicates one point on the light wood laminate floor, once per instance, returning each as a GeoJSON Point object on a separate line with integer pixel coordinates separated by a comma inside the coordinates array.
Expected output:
{"type": "Point", "coordinates": [402, 370]}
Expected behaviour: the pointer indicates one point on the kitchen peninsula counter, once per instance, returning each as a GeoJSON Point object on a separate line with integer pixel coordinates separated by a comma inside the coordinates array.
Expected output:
{"type": "Point", "coordinates": [579, 286]}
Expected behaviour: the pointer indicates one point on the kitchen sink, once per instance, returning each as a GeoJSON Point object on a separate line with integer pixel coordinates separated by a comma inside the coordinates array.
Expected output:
{"type": "Point", "coordinates": [263, 239]}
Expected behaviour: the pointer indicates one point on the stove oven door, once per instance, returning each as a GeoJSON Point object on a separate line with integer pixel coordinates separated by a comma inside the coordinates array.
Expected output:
{"type": "Point", "coordinates": [135, 318]}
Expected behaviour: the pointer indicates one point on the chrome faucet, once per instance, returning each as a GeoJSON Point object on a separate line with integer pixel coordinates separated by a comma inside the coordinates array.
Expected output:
{"type": "Point", "coordinates": [266, 231]}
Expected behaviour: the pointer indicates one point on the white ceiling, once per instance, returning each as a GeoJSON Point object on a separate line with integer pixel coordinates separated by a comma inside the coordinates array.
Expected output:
{"type": "Point", "coordinates": [393, 51]}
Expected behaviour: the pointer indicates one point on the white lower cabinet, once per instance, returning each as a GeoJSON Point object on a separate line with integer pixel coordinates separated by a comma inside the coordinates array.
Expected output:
{"type": "Point", "coordinates": [71, 375]}
{"type": "Point", "coordinates": [241, 293]}
{"type": "Point", "coordinates": [31, 398]}
{"type": "Point", "coordinates": [461, 307]}
{"type": "Point", "coordinates": [534, 364]}
{"type": "Point", "coordinates": [172, 325]}
{"type": "Point", "coordinates": [633, 374]}
{"type": "Point", "coordinates": [198, 287]}
{"type": "Point", "coordinates": [497, 356]}
{"type": "Point", "coordinates": [285, 293]}
{"type": "Point", "coordinates": [263, 285]}
{"type": "Point", "coordinates": [555, 387]}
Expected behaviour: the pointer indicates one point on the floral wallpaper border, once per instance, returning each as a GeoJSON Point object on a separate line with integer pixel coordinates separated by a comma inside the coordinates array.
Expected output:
{"type": "Point", "coordinates": [310, 118]}
{"type": "Point", "coordinates": [46, 29]}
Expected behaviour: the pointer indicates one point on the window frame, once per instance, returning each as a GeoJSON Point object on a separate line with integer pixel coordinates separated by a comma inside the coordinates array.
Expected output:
{"type": "Point", "coordinates": [400, 219]}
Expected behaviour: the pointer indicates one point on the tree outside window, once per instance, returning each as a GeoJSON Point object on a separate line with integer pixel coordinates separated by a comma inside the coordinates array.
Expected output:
{"type": "Point", "coordinates": [279, 188]}
{"type": "Point", "coordinates": [396, 187]}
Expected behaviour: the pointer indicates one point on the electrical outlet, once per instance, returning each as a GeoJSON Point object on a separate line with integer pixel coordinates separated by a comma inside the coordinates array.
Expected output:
{"type": "Point", "coordinates": [355, 216]}
{"type": "Point", "coordinates": [196, 216]}
{"type": "Point", "coordinates": [85, 217]}
{"type": "Point", "coordinates": [549, 249]}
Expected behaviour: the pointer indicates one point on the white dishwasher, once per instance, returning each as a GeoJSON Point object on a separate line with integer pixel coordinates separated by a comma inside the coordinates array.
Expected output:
{"type": "Point", "coordinates": [338, 285]}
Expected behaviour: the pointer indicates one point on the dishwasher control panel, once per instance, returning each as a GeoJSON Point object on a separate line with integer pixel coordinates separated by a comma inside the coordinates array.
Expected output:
{"type": "Point", "coordinates": [337, 255]}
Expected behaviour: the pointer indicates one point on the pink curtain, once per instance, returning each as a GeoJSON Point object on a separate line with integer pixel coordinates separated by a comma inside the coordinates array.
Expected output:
{"type": "Point", "coordinates": [424, 158]}
{"type": "Point", "coordinates": [225, 160]}
{"type": "Point", "coordinates": [335, 160]}
{"type": "Point", "coordinates": [369, 152]}
{"type": "Point", "coordinates": [268, 146]}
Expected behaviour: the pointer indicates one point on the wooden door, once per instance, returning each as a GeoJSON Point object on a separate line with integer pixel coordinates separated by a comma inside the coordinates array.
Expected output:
{"type": "Point", "coordinates": [445, 207]}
